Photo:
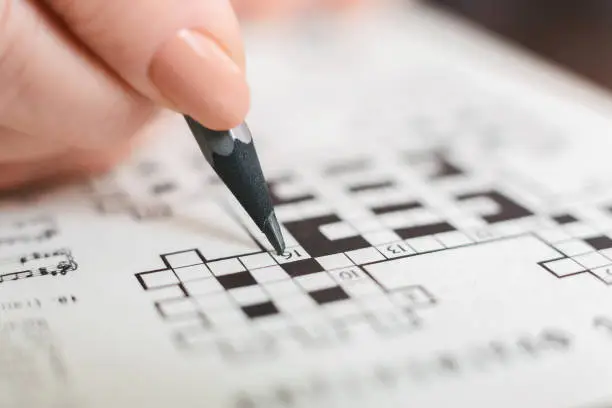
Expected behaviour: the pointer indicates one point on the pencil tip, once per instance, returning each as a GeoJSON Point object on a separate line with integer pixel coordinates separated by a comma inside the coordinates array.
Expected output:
{"type": "Point", "coordinates": [273, 233]}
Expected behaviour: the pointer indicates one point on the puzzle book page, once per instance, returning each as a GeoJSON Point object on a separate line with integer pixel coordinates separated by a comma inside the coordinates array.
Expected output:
{"type": "Point", "coordinates": [447, 205]}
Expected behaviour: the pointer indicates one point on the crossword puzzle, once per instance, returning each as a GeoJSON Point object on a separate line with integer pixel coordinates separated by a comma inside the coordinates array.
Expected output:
{"type": "Point", "coordinates": [317, 292]}
{"type": "Point", "coordinates": [320, 299]}
{"type": "Point", "coordinates": [582, 249]}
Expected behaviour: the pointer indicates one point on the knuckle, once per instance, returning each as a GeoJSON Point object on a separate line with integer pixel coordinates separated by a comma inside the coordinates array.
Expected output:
{"type": "Point", "coordinates": [84, 16]}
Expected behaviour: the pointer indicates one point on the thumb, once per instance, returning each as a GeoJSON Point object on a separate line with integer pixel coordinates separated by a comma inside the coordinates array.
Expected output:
{"type": "Point", "coordinates": [183, 53]}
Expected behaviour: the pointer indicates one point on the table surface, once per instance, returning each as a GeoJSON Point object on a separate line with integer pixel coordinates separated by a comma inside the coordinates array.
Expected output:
{"type": "Point", "coordinates": [575, 34]}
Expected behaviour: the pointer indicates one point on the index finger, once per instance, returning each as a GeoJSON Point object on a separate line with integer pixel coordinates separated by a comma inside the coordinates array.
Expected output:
{"type": "Point", "coordinates": [185, 53]}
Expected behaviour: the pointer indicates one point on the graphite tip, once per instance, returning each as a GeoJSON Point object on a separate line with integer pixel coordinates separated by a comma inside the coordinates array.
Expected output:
{"type": "Point", "coordinates": [273, 233]}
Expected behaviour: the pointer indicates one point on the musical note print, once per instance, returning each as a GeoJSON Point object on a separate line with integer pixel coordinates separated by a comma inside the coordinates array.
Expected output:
{"type": "Point", "coordinates": [59, 262]}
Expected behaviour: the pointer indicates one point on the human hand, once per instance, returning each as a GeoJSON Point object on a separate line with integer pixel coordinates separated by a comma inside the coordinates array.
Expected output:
{"type": "Point", "coordinates": [80, 78]}
{"type": "Point", "coordinates": [287, 8]}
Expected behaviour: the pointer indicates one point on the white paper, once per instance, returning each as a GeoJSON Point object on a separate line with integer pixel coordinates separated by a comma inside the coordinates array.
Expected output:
{"type": "Point", "coordinates": [447, 204]}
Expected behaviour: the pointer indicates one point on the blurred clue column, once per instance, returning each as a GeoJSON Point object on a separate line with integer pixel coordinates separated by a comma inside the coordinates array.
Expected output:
{"type": "Point", "coordinates": [573, 33]}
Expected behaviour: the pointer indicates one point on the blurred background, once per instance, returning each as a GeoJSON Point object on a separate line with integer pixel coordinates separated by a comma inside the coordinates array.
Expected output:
{"type": "Point", "coordinates": [574, 33]}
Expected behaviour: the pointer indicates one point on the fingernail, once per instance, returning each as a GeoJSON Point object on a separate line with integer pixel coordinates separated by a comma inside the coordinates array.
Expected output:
{"type": "Point", "coordinates": [195, 74]}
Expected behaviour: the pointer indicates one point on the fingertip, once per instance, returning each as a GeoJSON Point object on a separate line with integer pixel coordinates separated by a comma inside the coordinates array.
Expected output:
{"type": "Point", "coordinates": [199, 78]}
{"type": "Point", "coordinates": [229, 111]}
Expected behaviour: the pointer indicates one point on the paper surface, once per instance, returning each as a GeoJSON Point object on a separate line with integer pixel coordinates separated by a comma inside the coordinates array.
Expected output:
{"type": "Point", "coordinates": [447, 204]}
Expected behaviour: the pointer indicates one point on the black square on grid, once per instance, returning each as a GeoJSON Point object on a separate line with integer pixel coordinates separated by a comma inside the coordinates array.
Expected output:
{"type": "Point", "coordinates": [565, 219]}
{"type": "Point", "coordinates": [303, 267]}
{"type": "Point", "coordinates": [260, 310]}
{"type": "Point", "coordinates": [236, 280]}
{"type": "Point", "coordinates": [329, 295]}
{"type": "Point", "coordinates": [599, 242]}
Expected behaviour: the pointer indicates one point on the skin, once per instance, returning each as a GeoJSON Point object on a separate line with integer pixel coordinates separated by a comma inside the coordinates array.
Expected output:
{"type": "Point", "coordinates": [81, 80]}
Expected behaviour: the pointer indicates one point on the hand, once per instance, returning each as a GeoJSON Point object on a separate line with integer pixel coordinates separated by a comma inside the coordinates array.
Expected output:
{"type": "Point", "coordinates": [285, 8]}
{"type": "Point", "coordinates": [79, 78]}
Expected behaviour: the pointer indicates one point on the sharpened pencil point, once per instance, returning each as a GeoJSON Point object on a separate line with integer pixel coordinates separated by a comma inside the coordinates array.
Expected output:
{"type": "Point", "coordinates": [273, 233]}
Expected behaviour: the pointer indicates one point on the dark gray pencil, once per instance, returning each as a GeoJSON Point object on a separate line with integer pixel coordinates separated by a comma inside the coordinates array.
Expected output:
{"type": "Point", "coordinates": [232, 155]}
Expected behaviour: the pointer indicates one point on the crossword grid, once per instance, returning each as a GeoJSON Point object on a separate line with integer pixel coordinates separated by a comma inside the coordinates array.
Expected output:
{"type": "Point", "coordinates": [226, 294]}
{"type": "Point", "coordinates": [582, 249]}
{"type": "Point", "coordinates": [319, 285]}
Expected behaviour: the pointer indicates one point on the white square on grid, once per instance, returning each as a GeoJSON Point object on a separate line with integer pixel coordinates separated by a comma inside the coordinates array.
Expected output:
{"type": "Point", "coordinates": [552, 235]}
{"type": "Point", "coordinates": [290, 189]}
{"type": "Point", "coordinates": [295, 304]}
{"type": "Point", "coordinates": [249, 295]}
{"type": "Point", "coordinates": [606, 252]}
{"type": "Point", "coordinates": [350, 274]}
{"type": "Point", "coordinates": [365, 255]}
{"type": "Point", "coordinates": [272, 325]}
{"type": "Point", "coordinates": [393, 320]}
{"type": "Point", "coordinates": [226, 317]}
{"type": "Point", "coordinates": [188, 273]}
{"type": "Point", "coordinates": [480, 234]}
{"type": "Point", "coordinates": [481, 205]}
{"type": "Point", "coordinates": [453, 239]}
{"type": "Point", "coordinates": [282, 288]}
{"type": "Point", "coordinates": [167, 292]}
{"type": "Point", "coordinates": [395, 250]}
{"type": "Point", "coordinates": [381, 237]}
{"type": "Point", "coordinates": [579, 230]}
{"type": "Point", "coordinates": [338, 230]}
{"type": "Point", "coordinates": [352, 212]}
{"type": "Point", "coordinates": [215, 301]}
{"type": "Point", "coordinates": [396, 220]}
{"type": "Point", "coordinates": [203, 286]}
{"type": "Point", "coordinates": [341, 310]}
{"type": "Point", "coordinates": [311, 209]}
{"type": "Point", "coordinates": [177, 307]}
{"type": "Point", "coordinates": [564, 267]}
{"type": "Point", "coordinates": [512, 228]}
{"type": "Point", "coordinates": [194, 336]}
{"type": "Point", "coordinates": [269, 274]}
{"type": "Point", "coordinates": [592, 260]}
{"type": "Point", "coordinates": [424, 244]}
{"type": "Point", "coordinates": [335, 261]}
{"type": "Point", "coordinates": [573, 247]}
{"type": "Point", "coordinates": [412, 297]}
{"type": "Point", "coordinates": [369, 224]}
{"type": "Point", "coordinates": [315, 281]}
{"type": "Point", "coordinates": [422, 216]}
{"type": "Point", "coordinates": [287, 213]}
{"type": "Point", "coordinates": [377, 302]}
{"type": "Point", "coordinates": [158, 279]}
{"type": "Point", "coordinates": [225, 267]}
{"type": "Point", "coordinates": [257, 261]}
{"type": "Point", "coordinates": [317, 330]}
{"type": "Point", "coordinates": [186, 258]}
{"type": "Point", "coordinates": [362, 288]}
{"type": "Point", "coordinates": [604, 273]}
